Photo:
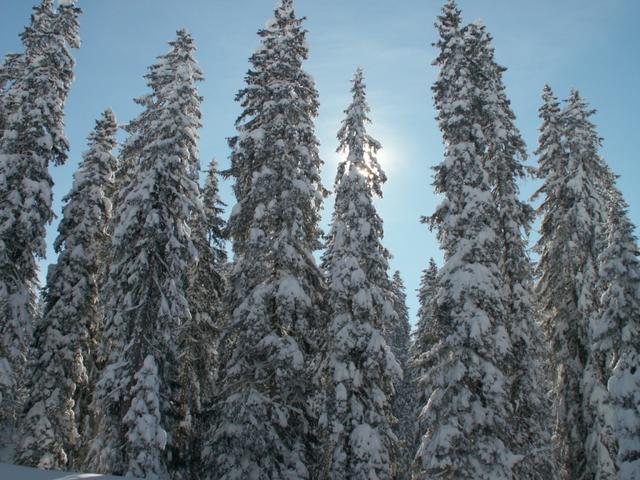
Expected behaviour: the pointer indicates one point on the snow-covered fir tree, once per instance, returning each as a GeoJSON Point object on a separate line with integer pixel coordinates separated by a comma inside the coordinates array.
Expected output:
{"type": "Point", "coordinates": [101, 144]}
{"type": "Point", "coordinates": [145, 435]}
{"type": "Point", "coordinates": [33, 98]}
{"type": "Point", "coordinates": [398, 333]}
{"type": "Point", "coordinates": [571, 235]}
{"type": "Point", "coordinates": [198, 336]}
{"type": "Point", "coordinates": [66, 337]}
{"type": "Point", "coordinates": [468, 432]}
{"type": "Point", "coordinates": [504, 156]}
{"type": "Point", "coordinates": [425, 336]}
{"type": "Point", "coordinates": [275, 299]}
{"type": "Point", "coordinates": [398, 337]}
{"type": "Point", "coordinates": [152, 254]}
{"type": "Point", "coordinates": [618, 338]}
{"type": "Point", "coordinates": [361, 367]}
{"type": "Point", "coordinates": [582, 144]}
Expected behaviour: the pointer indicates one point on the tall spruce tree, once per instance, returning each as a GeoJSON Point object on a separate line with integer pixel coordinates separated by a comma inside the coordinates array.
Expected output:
{"type": "Point", "coordinates": [198, 336]}
{"type": "Point", "coordinates": [99, 148]}
{"type": "Point", "coordinates": [571, 235]}
{"type": "Point", "coordinates": [66, 337]}
{"type": "Point", "coordinates": [275, 299]}
{"type": "Point", "coordinates": [152, 255]}
{"type": "Point", "coordinates": [32, 137]}
{"type": "Point", "coordinates": [552, 169]}
{"type": "Point", "coordinates": [398, 337]}
{"type": "Point", "coordinates": [617, 341]}
{"type": "Point", "coordinates": [504, 156]}
{"type": "Point", "coordinates": [468, 433]}
{"type": "Point", "coordinates": [582, 144]}
{"type": "Point", "coordinates": [361, 367]}
{"type": "Point", "coordinates": [425, 336]}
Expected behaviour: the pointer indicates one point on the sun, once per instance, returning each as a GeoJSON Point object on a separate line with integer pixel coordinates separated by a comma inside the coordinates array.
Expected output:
{"type": "Point", "coordinates": [389, 156]}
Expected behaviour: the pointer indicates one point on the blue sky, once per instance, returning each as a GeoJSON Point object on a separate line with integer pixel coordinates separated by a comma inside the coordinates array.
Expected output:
{"type": "Point", "coordinates": [588, 44]}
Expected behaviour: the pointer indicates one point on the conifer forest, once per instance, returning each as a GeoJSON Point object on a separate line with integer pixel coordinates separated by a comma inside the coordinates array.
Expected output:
{"type": "Point", "coordinates": [175, 338]}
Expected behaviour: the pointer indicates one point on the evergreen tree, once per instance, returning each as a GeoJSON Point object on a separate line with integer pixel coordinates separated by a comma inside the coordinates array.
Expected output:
{"type": "Point", "coordinates": [504, 154]}
{"type": "Point", "coordinates": [32, 102]}
{"type": "Point", "coordinates": [617, 339]}
{"type": "Point", "coordinates": [146, 438]}
{"type": "Point", "coordinates": [361, 367]}
{"type": "Point", "coordinates": [152, 254]}
{"type": "Point", "coordinates": [275, 299]}
{"type": "Point", "coordinates": [600, 445]}
{"type": "Point", "coordinates": [571, 234]}
{"type": "Point", "coordinates": [66, 337]}
{"type": "Point", "coordinates": [398, 333]}
{"type": "Point", "coordinates": [425, 336]}
{"type": "Point", "coordinates": [467, 414]}
{"type": "Point", "coordinates": [198, 336]}
{"type": "Point", "coordinates": [398, 337]}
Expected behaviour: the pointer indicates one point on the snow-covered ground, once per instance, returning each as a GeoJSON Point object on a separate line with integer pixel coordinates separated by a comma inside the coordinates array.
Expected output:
{"type": "Point", "coordinates": [13, 472]}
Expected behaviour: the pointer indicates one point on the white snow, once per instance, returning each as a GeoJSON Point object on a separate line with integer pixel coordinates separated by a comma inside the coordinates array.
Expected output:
{"type": "Point", "coordinates": [14, 472]}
